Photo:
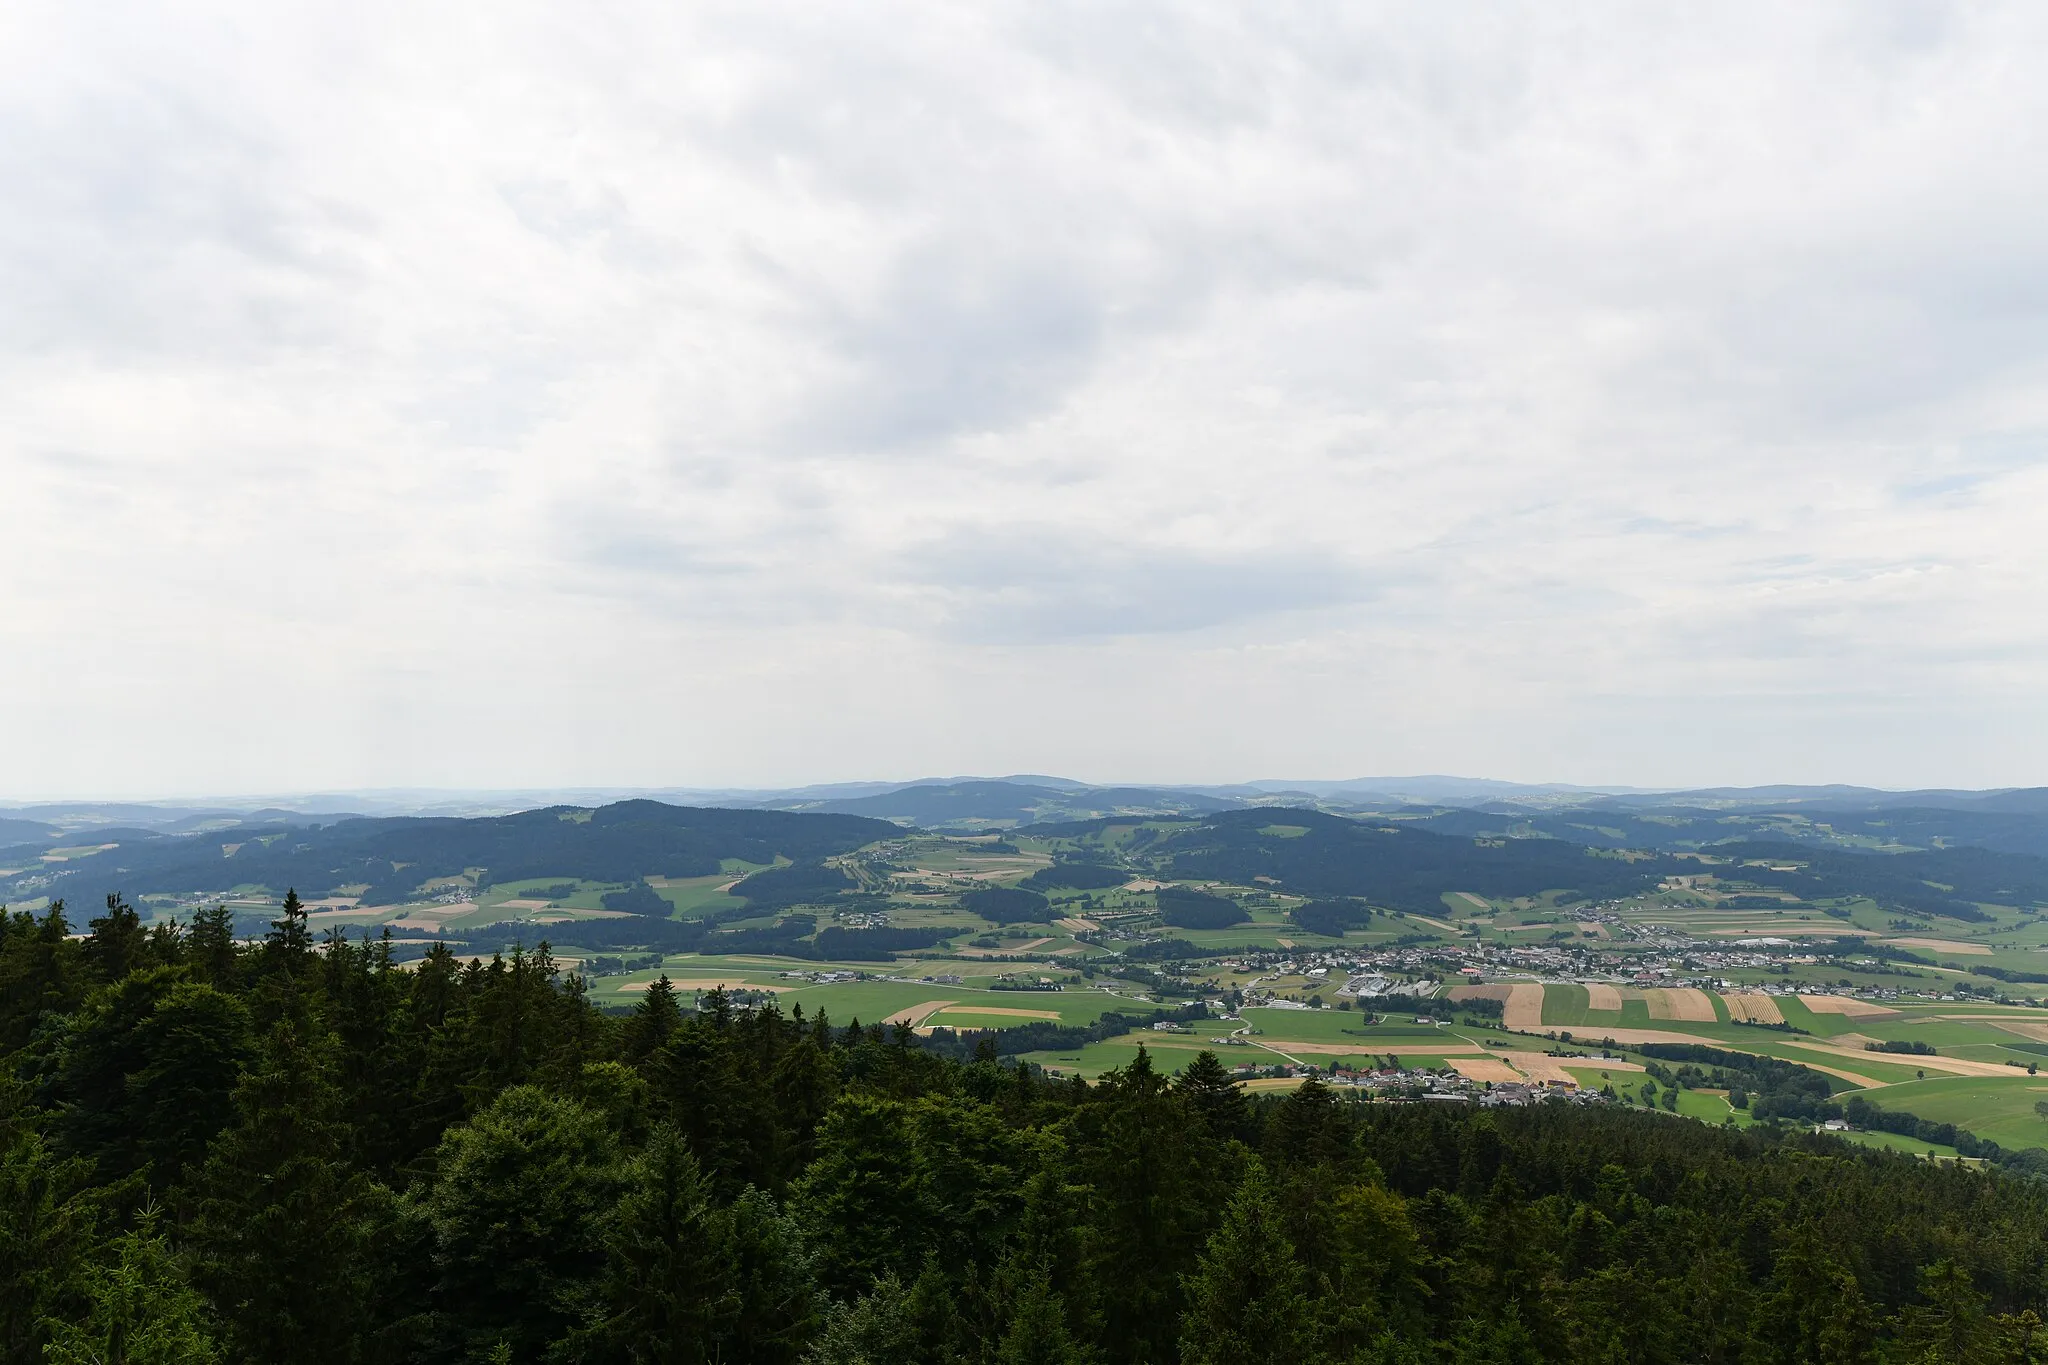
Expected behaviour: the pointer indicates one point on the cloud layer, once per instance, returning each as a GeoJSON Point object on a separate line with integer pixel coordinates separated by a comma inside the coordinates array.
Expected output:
{"type": "Point", "coordinates": [749, 393]}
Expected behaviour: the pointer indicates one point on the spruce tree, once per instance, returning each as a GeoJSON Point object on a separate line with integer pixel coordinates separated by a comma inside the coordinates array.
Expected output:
{"type": "Point", "coordinates": [662, 1297]}
{"type": "Point", "coordinates": [48, 1219]}
{"type": "Point", "coordinates": [653, 1021]}
{"type": "Point", "coordinates": [1948, 1326]}
{"type": "Point", "coordinates": [147, 1073]}
{"type": "Point", "coordinates": [139, 1309]}
{"type": "Point", "coordinates": [1247, 1302]}
{"type": "Point", "coordinates": [514, 1215]}
{"type": "Point", "coordinates": [42, 973]}
{"type": "Point", "coordinates": [280, 1224]}
{"type": "Point", "coordinates": [1151, 1179]}
{"type": "Point", "coordinates": [1037, 1333]}
{"type": "Point", "coordinates": [1213, 1094]}
{"type": "Point", "coordinates": [210, 948]}
{"type": "Point", "coordinates": [117, 944]}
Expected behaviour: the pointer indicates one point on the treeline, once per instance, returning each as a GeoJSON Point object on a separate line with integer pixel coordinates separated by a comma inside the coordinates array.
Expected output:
{"type": "Point", "coordinates": [1078, 877]}
{"type": "Point", "coordinates": [1008, 905]}
{"type": "Point", "coordinates": [1397, 867]}
{"type": "Point", "coordinates": [292, 1151]}
{"type": "Point", "coordinates": [1185, 907]}
{"type": "Point", "coordinates": [1768, 1087]}
{"type": "Point", "coordinates": [808, 882]}
{"type": "Point", "coordinates": [2011, 975]}
{"type": "Point", "coordinates": [1331, 918]}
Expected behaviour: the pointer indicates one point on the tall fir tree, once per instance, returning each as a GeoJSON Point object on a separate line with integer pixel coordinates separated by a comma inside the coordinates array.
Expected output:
{"type": "Point", "coordinates": [653, 1021]}
{"type": "Point", "coordinates": [1248, 1301]}
{"type": "Point", "coordinates": [139, 1309]}
{"type": "Point", "coordinates": [281, 1226]}
{"type": "Point", "coordinates": [1215, 1096]}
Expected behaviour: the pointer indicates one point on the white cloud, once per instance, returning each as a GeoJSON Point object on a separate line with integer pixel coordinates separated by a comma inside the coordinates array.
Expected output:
{"type": "Point", "coordinates": [521, 394]}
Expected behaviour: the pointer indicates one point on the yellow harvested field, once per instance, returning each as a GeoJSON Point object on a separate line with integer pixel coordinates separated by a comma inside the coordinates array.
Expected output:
{"type": "Point", "coordinates": [917, 1014]}
{"type": "Point", "coordinates": [524, 903]}
{"type": "Point", "coordinates": [1524, 1009]}
{"type": "Point", "coordinates": [2025, 1028]}
{"type": "Point", "coordinates": [344, 916]}
{"type": "Point", "coordinates": [1596, 1063]}
{"type": "Point", "coordinates": [1682, 1003]}
{"type": "Point", "coordinates": [1600, 996]}
{"type": "Point", "coordinates": [1497, 990]}
{"type": "Point", "coordinates": [1077, 923]}
{"type": "Point", "coordinates": [1753, 1007]}
{"type": "Point", "coordinates": [432, 916]}
{"type": "Point", "coordinates": [1434, 923]}
{"type": "Point", "coordinates": [1006, 1013]}
{"type": "Point", "coordinates": [1846, 1007]}
{"type": "Point", "coordinates": [1541, 1069]}
{"type": "Point", "coordinates": [1484, 1069]}
{"type": "Point", "coordinates": [1594, 927]}
{"type": "Point", "coordinates": [1953, 1066]}
{"type": "Point", "coordinates": [1476, 902]}
{"type": "Point", "coordinates": [2035, 1028]}
{"type": "Point", "coordinates": [1942, 945]}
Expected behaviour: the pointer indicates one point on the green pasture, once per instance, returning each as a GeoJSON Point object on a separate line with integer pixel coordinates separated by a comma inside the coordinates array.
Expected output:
{"type": "Point", "coordinates": [1591, 1075]}
{"type": "Point", "coordinates": [1565, 1005]}
{"type": "Point", "coordinates": [1995, 1107]}
{"type": "Point", "coordinates": [691, 897]}
{"type": "Point", "coordinates": [1893, 1142]}
{"type": "Point", "coordinates": [1703, 1105]}
{"type": "Point", "coordinates": [1343, 1026]}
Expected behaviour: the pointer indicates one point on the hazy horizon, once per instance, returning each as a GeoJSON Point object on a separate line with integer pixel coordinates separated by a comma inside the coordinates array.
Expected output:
{"type": "Point", "coordinates": [757, 395]}
{"type": "Point", "coordinates": [426, 795]}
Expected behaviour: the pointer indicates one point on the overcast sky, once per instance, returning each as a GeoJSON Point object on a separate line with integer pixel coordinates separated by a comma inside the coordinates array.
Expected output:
{"type": "Point", "coordinates": [498, 394]}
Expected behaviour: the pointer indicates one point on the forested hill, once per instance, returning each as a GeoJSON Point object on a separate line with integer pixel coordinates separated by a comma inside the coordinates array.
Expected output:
{"type": "Point", "coordinates": [394, 857]}
{"type": "Point", "coordinates": [278, 1153]}
{"type": "Point", "coordinates": [1405, 869]}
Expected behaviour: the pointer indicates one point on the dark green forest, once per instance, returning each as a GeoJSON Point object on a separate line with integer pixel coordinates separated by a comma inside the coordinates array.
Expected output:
{"type": "Point", "coordinates": [293, 1150]}
{"type": "Point", "coordinates": [390, 858]}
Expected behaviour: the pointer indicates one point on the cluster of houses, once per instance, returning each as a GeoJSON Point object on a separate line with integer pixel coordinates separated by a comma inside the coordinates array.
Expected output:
{"type": "Point", "coordinates": [1421, 969]}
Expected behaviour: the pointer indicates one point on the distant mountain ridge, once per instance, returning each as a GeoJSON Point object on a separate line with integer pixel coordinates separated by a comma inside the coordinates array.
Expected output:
{"type": "Point", "coordinates": [2006, 819]}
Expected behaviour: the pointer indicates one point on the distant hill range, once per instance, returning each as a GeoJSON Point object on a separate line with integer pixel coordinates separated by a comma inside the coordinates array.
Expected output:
{"type": "Point", "coordinates": [1409, 859]}
{"type": "Point", "coordinates": [393, 842]}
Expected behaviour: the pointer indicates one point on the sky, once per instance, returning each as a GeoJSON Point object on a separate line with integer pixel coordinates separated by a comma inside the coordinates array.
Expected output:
{"type": "Point", "coordinates": [502, 394]}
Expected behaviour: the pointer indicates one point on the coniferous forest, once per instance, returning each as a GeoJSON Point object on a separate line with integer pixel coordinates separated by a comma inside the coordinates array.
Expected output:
{"type": "Point", "coordinates": [295, 1150]}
